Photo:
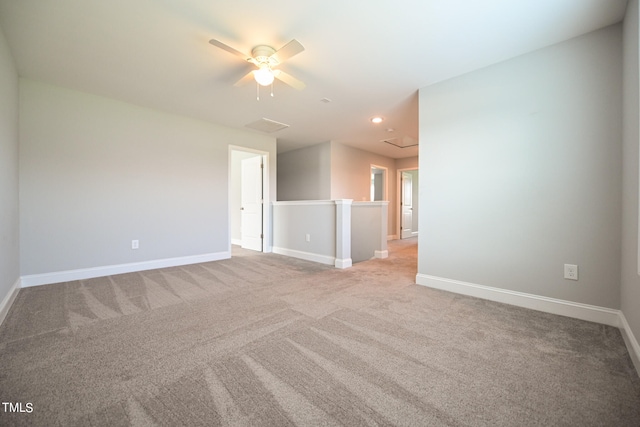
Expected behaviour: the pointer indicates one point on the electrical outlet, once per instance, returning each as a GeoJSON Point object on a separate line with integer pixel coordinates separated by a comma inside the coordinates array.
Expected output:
{"type": "Point", "coordinates": [135, 244]}
{"type": "Point", "coordinates": [307, 237]}
{"type": "Point", "coordinates": [571, 271]}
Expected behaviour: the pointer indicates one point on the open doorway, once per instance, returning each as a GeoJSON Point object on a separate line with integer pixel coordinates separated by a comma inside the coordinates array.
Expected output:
{"type": "Point", "coordinates": [248, 212]}
{"type": "Point", "coordinates": [378, 183]}
{"type": "Point", "coordinates": [408, 208]}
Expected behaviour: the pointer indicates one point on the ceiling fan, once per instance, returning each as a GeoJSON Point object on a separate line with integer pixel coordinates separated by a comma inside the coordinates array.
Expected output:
{"type": "Point", "coordinates": [266, 59]}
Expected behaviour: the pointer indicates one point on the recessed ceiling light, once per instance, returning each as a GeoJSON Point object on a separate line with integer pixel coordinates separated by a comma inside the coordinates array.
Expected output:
{"type": "Point", "coordinates": [376, 120]}
{"type": "Point", "coordinates": [391, 130]}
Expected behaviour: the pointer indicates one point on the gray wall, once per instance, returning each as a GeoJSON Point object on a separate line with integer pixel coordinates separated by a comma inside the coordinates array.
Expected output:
{"type": "Point", "coordinates": [9, 220]}
{"type": "Point", "coordinates": [366, 230]}
{"type": "Point", "coordinates": [631, 132]}
{"type": "Point", "coordinates": [331, 171]}
{"type": "Point", "coordinates": [292, 222]}
{"type": "Point", "coordinates": [520, 172]}
{"type": "Point", "coordinates": [407, 163]}
{"type": "Point", "coordinates": [305, 173]}
{"type": "Point", "coordinates": [96, 173]}
{"type": "Point", "coordinates": [351, 176]}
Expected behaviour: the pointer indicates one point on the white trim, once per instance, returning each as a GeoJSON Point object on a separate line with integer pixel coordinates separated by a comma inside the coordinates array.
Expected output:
{"type": "Point", "coordinates": [343, 201]}
{"type": "Point", "coordinates": [630, 341]}
{"type": "Point", "coordinates": [8, 300]}
{"type": "Point", "coordinates": [392, 237]}
{"type": "Point", "coordinates": [343, 263]}
{"type": "Point", "coordinates": [377, 203]}
{"type": "Point", "coordinates": [308, 256]}
{"type": "Point", "coordinates": [237, 242]}
{"type": "Point", "coordinates": [108, 270]}
{"type": "Point", "coordinates": [304, 202]}
{"type": "Point", "coordinates": [381, 254]}
{"type": "Point", "coordinates": [576, 310]}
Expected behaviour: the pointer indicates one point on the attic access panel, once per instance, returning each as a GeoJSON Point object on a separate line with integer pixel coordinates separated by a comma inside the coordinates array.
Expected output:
{"type": "Point", "coordinates": [267, 125]}
{"type": "Point", "coordinates": [404, 142]}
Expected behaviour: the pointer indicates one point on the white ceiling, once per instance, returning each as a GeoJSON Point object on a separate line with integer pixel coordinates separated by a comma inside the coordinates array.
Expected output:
{"type": "Point", "coordinates": [368, 57]}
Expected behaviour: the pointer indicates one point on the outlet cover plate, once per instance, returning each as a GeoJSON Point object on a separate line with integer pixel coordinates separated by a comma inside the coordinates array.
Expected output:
{"type": "Point", "coordinates": [571, 271]}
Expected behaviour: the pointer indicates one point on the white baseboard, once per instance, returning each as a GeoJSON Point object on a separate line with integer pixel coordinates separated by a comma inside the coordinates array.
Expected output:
{"type": "Point", "coordinates": [108, 270]}
{"type": "Point", "coordinates": [308, 256]}
{"type": "Point", "coordinates": [631, 342]}
{"type": "Point", "coordinates": [8, 300]}
{"type": "Point", "coordinates": [381, 254]}
{"type": "Point", "coordinates": [592, 313]}
{"type": "Point", "coordinates": [236, 242]}
{"type": "Point", "coordinates": [392, 237]}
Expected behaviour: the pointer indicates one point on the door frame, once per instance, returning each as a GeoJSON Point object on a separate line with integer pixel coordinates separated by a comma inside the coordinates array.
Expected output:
{"type": "Point", "coordinates": [266, 205]}
{"type": "Point", "coordinates": [399, 199]}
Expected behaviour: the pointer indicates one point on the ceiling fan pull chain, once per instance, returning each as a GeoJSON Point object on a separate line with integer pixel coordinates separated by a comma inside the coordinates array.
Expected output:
{"type": "Point", "coordinates": [272, 89]}
{"type": "Point", "coordinates": [257, 91]}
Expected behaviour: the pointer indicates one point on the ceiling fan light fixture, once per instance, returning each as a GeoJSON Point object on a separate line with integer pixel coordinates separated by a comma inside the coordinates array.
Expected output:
{"type": "Point", "coordinates": [264, 76]}
{"type": "Point", "coordinates": [265, 58]}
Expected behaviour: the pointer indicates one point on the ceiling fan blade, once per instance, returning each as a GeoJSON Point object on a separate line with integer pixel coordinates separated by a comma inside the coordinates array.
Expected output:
{"type": "Point", "coordinates": [288, 50]}
{"type": "Point", "coordinates": [246, 79]}
{"type": "Point", "coordinates": [229, 49]}
{"type": "Point", "coordinates": [289, 79]}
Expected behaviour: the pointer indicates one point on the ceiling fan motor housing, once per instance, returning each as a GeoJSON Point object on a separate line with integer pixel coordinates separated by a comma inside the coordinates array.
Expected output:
{"type": "Point", "coordinates": [263, 55]}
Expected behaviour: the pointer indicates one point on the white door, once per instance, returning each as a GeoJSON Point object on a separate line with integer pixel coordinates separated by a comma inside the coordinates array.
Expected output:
{"type": "Point", "coordinates": [251, 203]}
{"type": "Point", "coordinates": [407, 205]}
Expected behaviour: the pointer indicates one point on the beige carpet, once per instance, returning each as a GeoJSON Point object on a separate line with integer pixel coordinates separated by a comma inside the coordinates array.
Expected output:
{"type": "Point", "coordinates": [266, 340]}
